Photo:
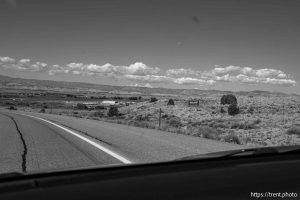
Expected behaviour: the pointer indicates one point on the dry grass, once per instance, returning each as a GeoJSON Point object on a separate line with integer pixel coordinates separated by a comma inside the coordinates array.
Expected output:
{"type": "Point", "coordinates": [209, 133]}
{"type": "Point", "coordinates": [260, 121]}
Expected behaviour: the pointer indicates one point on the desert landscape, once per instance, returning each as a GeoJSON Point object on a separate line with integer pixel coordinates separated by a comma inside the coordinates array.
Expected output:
{"type": "Point", "coordinates": [255, 118]}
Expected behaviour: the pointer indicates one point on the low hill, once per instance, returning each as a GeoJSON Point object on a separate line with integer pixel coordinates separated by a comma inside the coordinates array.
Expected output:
{"type": "Point", "coordinates": [21, 83]}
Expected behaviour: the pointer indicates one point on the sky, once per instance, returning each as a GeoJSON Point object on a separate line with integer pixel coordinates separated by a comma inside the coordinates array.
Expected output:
{"type": "Point", "coordinates": [235, 45]}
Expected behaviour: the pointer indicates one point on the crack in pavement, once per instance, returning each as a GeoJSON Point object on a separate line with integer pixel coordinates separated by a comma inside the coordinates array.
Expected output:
{"type": "Point", "coordinates": [24, 155]}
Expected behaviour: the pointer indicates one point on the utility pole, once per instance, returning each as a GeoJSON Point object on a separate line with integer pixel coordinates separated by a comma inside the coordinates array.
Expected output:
{"type": "Point", "coordinates": [283, 113]}
{"type": "Point", "coordinates": [159, 119]}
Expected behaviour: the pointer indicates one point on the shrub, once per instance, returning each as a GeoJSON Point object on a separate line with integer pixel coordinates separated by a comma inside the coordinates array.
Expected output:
{"type": "Point", "coordinates": [228, 99]}
{"type": "Point", "coordinates": [140, 117]}
{"type": "Point", "coordinates": [42, 110]}
{"type": "Point", "coordinates": [250, 110]}
{"type": "Point", "coordinates": [164, 116]}
{"type": "Point", "coordinates": [218, 125]}
{"type": "Point", "coordinates": [96, 114]}
{"type": "Point", "coordinates": [294, 130]}
{"type": "Point", "coordinates": [153, 99]}
{"type": "Point", "coordinates": [251, 126]}
{"type": "Point", "coordinates": [233, 109]}
{"type": "Point", "coordinates": [175, 122]}
{"type": "Point", "coordinates": [237, 125]}
{"type": "Point", "coordinates": [142, 124]}
{"type": "Point", "coordinates": [12, 108]}
{"type": "Point", "coordinates": [257, 121]}
{"type": "Point", "coordinates": [101, 107]}
{"type": "Point", "coordinates": [232, 138]}
{"type": "Point", "coordinates": [133, 98]}
{"type": "Point", "coordinates": [81, 106]}
{"type": "Point", "coordinates": [198, 123]}
{"type": "Point", "coordinates": [209, 133]}
{"type": "Point", "coordinates": [113, 111]}
{"type": "Point", "coordinates": [245, 125]}
{"type": "Point", "coordinates": [171, 102]}
{"type": "Point", "coordinates": [117, 98]}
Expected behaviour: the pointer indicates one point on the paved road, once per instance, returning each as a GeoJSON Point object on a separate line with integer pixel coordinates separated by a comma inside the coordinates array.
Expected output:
{"type": "Point", "coordinates": [34, 141]}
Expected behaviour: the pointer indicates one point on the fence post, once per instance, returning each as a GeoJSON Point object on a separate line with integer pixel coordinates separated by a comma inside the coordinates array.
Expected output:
{"type": "Point", "coordinates": [159, 119]}
{"type": "Point", "coordinates": [283, 113]}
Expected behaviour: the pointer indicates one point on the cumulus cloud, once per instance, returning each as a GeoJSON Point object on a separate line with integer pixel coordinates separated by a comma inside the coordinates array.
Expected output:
{"type": "Point", "coordinates": [223, 78]}
{"type": "Point", "coordinates": [55, 69]}
{"type": "Point", "coordinates": [22, 65]}
{"type": "Point", "coordinates": [107, 68]}
{"type": "Point", "coordinates": [283, 75]}
{"type": "Point", "coordinates": [280, 81]}
{"type": "Point", "coordinates": [24, 61]}
{"type": "Point", "coordinates": [38, 66]}
{"type": "Point", "coordinates": [147, 85]}
{"type": "Point", "coordinates": [75, 65]}
{"type": "Point", "coordinates": [224, 70]}
{"type": "Point", "coordinates": [269, 73]}
{"type": "Point", "coordinates": [181, 72]}
{"type": "Point", "coordinates": [145, 74]}
{"type": "Point", "coordinates": [246, 79]}
{"type": "Point", "coordinates": [168, 80]}
{"type": "Point", "coordinates": [149, 78]}
{"type": "Point", "coordinates": [6, 60]}
{"type": "Point", "coordinates": [79, 69]}
{"type": "Point", "coordinates": [192, 81]}
{"type": "Point", "coordinates": [137, 68]}
{"type": "Point", "coordinates": [246, 75]}
{"type": "Point", "coordinates": [249, 75]}
{"type": "Point", "coordinates": [242, 78]}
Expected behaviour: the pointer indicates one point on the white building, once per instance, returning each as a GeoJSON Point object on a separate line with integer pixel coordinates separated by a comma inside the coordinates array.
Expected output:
{"type": "Point", "coordinates": [109, 103]}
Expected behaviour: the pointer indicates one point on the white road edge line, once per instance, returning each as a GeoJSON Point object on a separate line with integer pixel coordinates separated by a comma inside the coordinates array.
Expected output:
{"type": "Point", "coordinates": [111, 153]}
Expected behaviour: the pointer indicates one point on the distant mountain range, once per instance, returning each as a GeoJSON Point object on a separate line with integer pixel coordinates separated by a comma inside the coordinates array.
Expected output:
{"type": "Point", "coordinates": [63, 86]}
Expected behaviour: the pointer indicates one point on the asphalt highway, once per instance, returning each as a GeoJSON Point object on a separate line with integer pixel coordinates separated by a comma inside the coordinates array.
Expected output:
{"type": "Point", "coordinates": [36, 142]}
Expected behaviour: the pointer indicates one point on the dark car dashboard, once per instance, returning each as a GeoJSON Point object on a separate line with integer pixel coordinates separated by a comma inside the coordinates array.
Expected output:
{"type": "Point", "coordinates": [240, 177]}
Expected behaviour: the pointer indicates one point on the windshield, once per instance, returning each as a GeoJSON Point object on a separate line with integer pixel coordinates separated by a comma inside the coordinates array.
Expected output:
{"type": "Point", "coordinates": [101, 83]}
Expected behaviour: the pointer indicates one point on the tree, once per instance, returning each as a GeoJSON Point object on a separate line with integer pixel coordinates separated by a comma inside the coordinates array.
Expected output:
{"type": "Point", "coordinates": [81, 106]}
{"type": "Point", "coordinates": [171, 102]}
{"type": "Point", "coordinates": [113, 111]}
{"type": "Point", "coordinates": [233, 109]}
{"type": "Point", "coordinates": [133, 98]}
{"type": "Point", "coordinates": [100, 107]}
{"type": "Point", "coordinates": [153, 99]}
{"type": "Point", "coordinates": [228, 99]}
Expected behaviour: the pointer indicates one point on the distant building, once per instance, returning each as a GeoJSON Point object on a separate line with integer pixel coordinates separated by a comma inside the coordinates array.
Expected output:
{"type": "Point", "coordinates": [109, 103]}
{"type": "Point", "coordinates": [193, 102]}
{"type": "Point", "coordinates": [91, 105]}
